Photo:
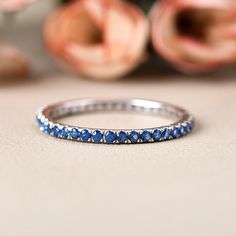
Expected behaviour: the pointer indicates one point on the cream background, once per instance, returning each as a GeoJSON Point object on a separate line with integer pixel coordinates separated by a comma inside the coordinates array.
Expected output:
{"type": "Point", "coordinates": [56, 187]}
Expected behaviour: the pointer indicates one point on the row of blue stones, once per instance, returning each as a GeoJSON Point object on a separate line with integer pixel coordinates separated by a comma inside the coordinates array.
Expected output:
{"type": "Point", "coordinates": [97, 136]}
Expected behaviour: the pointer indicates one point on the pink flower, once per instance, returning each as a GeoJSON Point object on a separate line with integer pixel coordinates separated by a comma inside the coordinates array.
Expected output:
{"type": "Point", "coordinates": [14, 5]}
{"type": "Point", "coordinates": [101, 39]}
{"type": "Point", "coordinates": [12, 63]}
{"type": "Point", "coordinates": [196, 36]}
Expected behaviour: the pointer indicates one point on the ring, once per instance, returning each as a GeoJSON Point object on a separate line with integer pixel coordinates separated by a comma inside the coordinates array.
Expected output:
{"type": "Point", "coordinates": [47, 116]}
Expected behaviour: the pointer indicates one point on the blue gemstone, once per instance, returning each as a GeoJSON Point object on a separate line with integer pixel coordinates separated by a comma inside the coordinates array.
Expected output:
{"type": "Point", "coordinates": [56, 131]}
{"type": "Point", "coordinates": [59, 134]}
{"type": "Point", "coordinates": [146, 136]}
{"type": "Point", "coordinates": [85, 135]}
{"type": "Point", "coordinates": [46, 129]}
{"type": "Point", "coordinates": [134, 136]}
{"type": "Point", "coordinates": [74, 134]}
{"type": "Point", "coordinates": [176, 132]}
{"type": "Point", "coordinates": [189, 127]}
{"type": "Point", "coordinates": [123, 137]}
{"type": "Point", "coordinates": [183, 130]}
{"type": "Point", "coordinates": [40, 123]}
{"type": "Point", "coordinates": [110, 137]}
{"type": "Point", "coordinates": [97, 136]}
{"type": "Point", "coordinates": [156, 135]}
{"type": "Point", "coordinates": [64, 133]}
{"type": "Point", "coordinates": [166, 134]}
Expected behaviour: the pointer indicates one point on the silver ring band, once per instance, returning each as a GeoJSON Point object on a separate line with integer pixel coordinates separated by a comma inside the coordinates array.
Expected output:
{"type": "Point", "coordinates": [47, 116]}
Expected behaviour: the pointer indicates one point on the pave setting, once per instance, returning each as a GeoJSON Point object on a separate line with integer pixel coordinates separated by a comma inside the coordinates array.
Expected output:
{"type": "Point", "coordinates": [46, 116]}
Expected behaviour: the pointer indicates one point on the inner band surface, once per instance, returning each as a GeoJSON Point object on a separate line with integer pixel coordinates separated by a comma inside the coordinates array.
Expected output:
{"type": "Point", "coordinates": [70, 108]}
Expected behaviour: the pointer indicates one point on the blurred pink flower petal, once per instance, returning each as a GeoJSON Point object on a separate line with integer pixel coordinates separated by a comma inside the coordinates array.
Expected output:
{"type": "Point", "coordinates": [101, 39]}
{"type": "Point", "coordinates": [196, 36]}
{"type": "Point", "coordinates": [14, 5]}
{"type": "Point", "coordinates": [12, 63]}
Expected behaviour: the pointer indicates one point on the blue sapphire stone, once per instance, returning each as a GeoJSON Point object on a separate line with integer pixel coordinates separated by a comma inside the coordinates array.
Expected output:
{"type": "Point", "coordinates": [166, 134]}
{"type": "Point", "coordinates": [74, 134]}
{"type": "Point", "coordinates": [134, 137]}
{"type": "Point", "coordinates": [97, 136]}
{"type": "Point", "coordinates": [123, 137]}
{"type": "Point", "coordinates": [56, 131]}
{"type": "Point", "coordinates": [40, 123]}
{"type": "Point", "coordinates": [183, 130]}
{"type": "Point", "coordinates": [110, 137]}
{"type": "Point", "coordinates": [146, 136]}
{"type": "Point", "coordinates": [85, 135]}
{"type": "Point", "coordinates": [156, 135]}
{"type": "Point", "coordinates": [189, 127]}
{"type": "Point", "coordinates": [46, 129]}
{"type": "Point", "coordinates": [59, 134]}
{"type": "Point", "coordinates": [176, 132]}
{"type": "Point", "coordinates": [64, 133]}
